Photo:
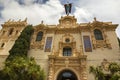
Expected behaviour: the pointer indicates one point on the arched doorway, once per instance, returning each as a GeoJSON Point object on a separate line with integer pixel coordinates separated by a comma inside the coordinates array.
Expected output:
{"type": "Point", "coordinates": [67, 75]}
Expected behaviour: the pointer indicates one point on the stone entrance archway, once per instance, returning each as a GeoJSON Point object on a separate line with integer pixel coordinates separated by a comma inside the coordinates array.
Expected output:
{"type": "Point", "coordinates": [67, 75]}
{"type": "Point", "coordinates": [59, 67]}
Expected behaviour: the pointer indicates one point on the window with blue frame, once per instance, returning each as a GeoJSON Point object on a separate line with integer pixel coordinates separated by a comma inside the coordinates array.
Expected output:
{"type": "Point", "coordinates": [87, 44]}
{"type": "Point", "coordinates": [48, 44]}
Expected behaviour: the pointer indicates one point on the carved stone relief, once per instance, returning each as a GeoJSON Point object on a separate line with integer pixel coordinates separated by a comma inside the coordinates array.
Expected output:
{"type": "Point", "coordinates": [105, 64]}
{"type": "Point", "coordinates": [99, 43]}
{"type": "Point", "coordinates": [76, 63]}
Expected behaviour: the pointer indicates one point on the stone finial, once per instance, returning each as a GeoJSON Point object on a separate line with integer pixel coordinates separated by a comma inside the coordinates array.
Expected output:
{"type": "Point", "coordinates": [95, 19]}
{"type": "Point", "coordinates": [19, 20]}
{"type": "Point", "coordinates": [13, 20]}
{"type": "Point", "coordinates": [25, 19]}
{"type": "Point", "coordinates": [9, 20]}
{"type": "Point", "coordinates": [42, 22]}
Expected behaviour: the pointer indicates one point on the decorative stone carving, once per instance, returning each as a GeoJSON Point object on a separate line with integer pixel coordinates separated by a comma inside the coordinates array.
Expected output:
{"type": "Point", "coordinates": [50, 74]}
{"type": "Point", "coordinates": [38, 44]}
{"type": "Point", "coordinates": [66, 62]}
{"type": "Point", "coordinates": [71, 44]}
{"type": "Point", "coordinates": [76, 63]}
{"type": "Point", "coordinates": [67, 22]}
{"type": "Point", "coordinates": [99, 43]}
{"type": "Point", "coordinates": [103, 27]}
{"type": "Point", "coordinates": [105, 65]}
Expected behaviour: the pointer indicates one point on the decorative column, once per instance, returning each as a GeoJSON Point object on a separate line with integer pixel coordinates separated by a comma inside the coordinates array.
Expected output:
{"type": "Point", "coordinates": [51, 67]}
{"type": "Point", "coordinates": [108, 45]}
{"type": "Point", "coordinates": [50, 76]}
{"type": "Point", "coordinates": [83, 67]}
{"type": "Point", "coordinates": [93, 39]}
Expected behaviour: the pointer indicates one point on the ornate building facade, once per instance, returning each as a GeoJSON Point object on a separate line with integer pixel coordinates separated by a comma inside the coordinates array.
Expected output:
{"type": "Point", "coordinates": [65, 51]}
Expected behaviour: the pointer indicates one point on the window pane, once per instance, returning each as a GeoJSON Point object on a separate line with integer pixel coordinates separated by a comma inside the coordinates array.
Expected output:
{"type": "Point", "coordinates": [67, 51]}
{"type": "Point", "coordinates": [87, 44]}
{"type": "Point", "coordinates": [48, 44]}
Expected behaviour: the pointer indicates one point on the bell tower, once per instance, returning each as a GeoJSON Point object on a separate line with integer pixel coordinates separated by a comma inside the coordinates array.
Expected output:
{"type": "Point", "coordinates": [8, 34]}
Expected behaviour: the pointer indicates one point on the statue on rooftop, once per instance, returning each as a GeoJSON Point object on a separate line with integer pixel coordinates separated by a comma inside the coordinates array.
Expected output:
{"type": "Point", "coordinates": [68, 7]}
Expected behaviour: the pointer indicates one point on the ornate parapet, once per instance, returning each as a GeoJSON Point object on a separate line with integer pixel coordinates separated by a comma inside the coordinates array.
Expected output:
{"type": "Point", "coordinates": [15, 23]}
{"type": "Point", "coordinates": [67, 22]}
{"type": "Point", "coordinates": [12, 29]}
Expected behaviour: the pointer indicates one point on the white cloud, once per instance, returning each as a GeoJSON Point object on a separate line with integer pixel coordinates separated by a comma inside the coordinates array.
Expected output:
{"type": "Point", "coordinates": [85, 11]}
{"type": "Point", "coordinates": [118, 31]}
{"type": "Point", "coordinates": [49, 12]}
{"type": "Point", "coordinates": [82, 14]}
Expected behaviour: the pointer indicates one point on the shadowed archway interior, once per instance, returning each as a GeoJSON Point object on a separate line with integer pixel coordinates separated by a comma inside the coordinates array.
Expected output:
{"type": "Point", "coordinates": [67, 75]}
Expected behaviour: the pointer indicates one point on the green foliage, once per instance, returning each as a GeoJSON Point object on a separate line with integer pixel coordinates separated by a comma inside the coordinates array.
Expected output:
{"type": "Point", "coordinates": [22, 44]}
{"type": "Point", "coordinates": [22, 68]}
{"type": "Point", "coordinates": [115, 77]}
{"type": "Point", "coordinates": [119, 41]}
{"type": "Point", "coordinates": [98, 72]}
{"type": "Point", "coordinates": [115, 71]}
{"type": "Point", "coordinates": [114, 67]}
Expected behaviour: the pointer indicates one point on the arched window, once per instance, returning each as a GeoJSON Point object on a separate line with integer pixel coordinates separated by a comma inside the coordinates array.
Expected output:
{"type": "Point", "coordinates": [98, 34]}
{"type": "Point", "coordinates": [39, 36]}
{"type": "Point", "coordinates": [2, 45]}
{"type": "Point", "coordinates": [10, 31]}
{"type": "Point", "coordinates": [67, 51]}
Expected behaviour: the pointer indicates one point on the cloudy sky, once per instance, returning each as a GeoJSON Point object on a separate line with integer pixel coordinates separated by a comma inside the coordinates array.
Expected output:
{"type": "Point", "coordinates": [51, 10]}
